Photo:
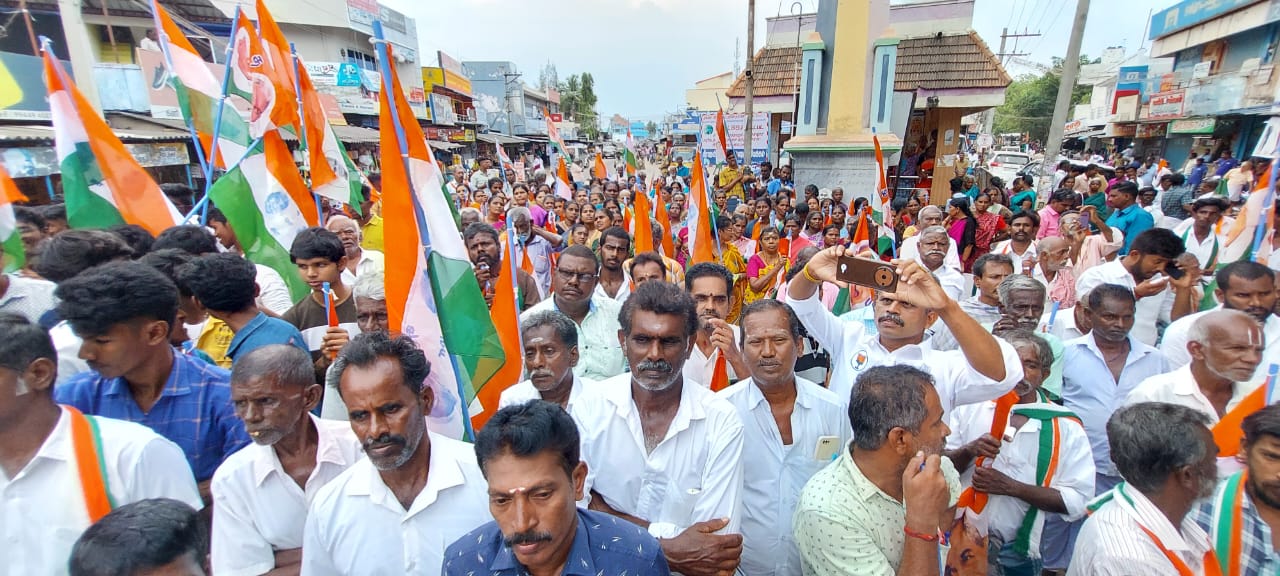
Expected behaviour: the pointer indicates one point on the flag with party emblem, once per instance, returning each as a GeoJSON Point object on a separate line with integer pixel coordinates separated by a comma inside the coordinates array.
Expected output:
{"type": "Point", "coordinates": [102, 182]}
{"type": "Point", "coordinates": [12, 254]}
{"type": "Point", "coordinates": [333, 174]}
{"type": "Point", "coordinates": [279, 68]}
{"type": "Point", "coordinates": [266, 203]}
{"type": "Point", "coordinates": [432, 293]}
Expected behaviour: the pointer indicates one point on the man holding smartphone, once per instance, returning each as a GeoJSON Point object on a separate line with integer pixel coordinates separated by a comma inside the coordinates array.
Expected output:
{"type": "Point", "coordinates": [984, 368]}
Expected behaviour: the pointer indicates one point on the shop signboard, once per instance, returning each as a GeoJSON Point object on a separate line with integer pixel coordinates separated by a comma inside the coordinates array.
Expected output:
{"type": "Point", "coordinates": [1219, 95]}
{"type": "Point", "coordinates": [348, 74]}
{"type": "Point", "coordinates": [1074, 127]}
{"type": "Point", "coordinates": [397, 28]}
{"type": "Point", "coordinates": [1166, 105]}
{"type": "Point", "coordinates": [736, 125]}
{"type": "Point", "coordinates": [1192, 126]}
{"type": "Point", "coordinates": [1121, 130]}
{"type": "Point", "coordinates": [1151, 130]}
{"type": "Point", "coordinates": [453, 75]}
{"type": "Point", "coordinates": [1188, 13]}
{"type": "Point", "coordinates": [22, 90]}
{"type": "Point", "coordinates": [160, 93]}
{"type": "Point", "coordinates": [442, 110]}
{"type": "Point", "coordinates": [39, 161]}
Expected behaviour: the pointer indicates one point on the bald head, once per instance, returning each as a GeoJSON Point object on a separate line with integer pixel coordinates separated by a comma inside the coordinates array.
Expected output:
{"type": "Point", "coordinates": [1051, 243]}
{"type": "Point", "coordinates": [1225, 346]}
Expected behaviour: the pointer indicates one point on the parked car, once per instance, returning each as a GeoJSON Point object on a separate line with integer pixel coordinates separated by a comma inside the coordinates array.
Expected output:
{"type": "Point", "coordinates": [1006, 165]}
{"type": "Point", "coordinates": [610, 151]}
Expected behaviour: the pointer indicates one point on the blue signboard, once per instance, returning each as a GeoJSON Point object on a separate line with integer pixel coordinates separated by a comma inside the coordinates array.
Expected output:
{"type": "Point", "coordinates": [348, 74]}
{"type": "Point", "coordinates": [1189, 13]}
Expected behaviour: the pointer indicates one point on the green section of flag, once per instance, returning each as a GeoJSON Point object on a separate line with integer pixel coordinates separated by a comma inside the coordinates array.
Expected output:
{"type": "Point", "coordinates": [13, 256]}
{"type": "Point", "coordinates": [469, 334]}
{"type": "Point", "coordinates": [86, 208]}
{"type": "Point", "coordinates": [233, 194]}
{"type": "Point", "coordinates": [842, 302]}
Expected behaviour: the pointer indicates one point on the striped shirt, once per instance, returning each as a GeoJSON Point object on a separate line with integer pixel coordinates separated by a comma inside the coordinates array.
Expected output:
{"type": "Point", "coordinates": [194, 410]}
{"type": "Point", "coordinates": [1113, 542]}
{"type": "Point", "coordinates": [1257, 555]}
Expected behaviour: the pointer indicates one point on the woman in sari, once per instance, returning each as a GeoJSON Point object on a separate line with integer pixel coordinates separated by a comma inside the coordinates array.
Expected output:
{"type": "Point", "coordinates": [963, 228]}
{"type": "Point", "coordinates": [765, 267]}
{"type": "Point", "coordinates": [991, 227]}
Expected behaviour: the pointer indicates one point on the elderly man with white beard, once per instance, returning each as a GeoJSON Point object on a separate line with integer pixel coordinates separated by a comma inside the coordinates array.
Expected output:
{"type": "Point", "coordinates": [260, 493]}
{"type": "Point", "coordinates": [933, 255]}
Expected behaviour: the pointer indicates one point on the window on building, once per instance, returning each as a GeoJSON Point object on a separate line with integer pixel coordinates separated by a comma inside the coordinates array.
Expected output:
{"type": "Point", "coordinates": [361, 59]}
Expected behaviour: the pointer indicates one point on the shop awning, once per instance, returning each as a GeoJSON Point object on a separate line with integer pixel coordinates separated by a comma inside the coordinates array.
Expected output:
{"type": "Point", "coordinates": [496, 138]}
{"type": "Point", "coordinates": [41, 133]}
{"type": "Point", "coordinates": [1087, 134]}
{"type": "Point", "coordinates": [356, 134]}
{"type": "Point", "coordinates": [446, 146]}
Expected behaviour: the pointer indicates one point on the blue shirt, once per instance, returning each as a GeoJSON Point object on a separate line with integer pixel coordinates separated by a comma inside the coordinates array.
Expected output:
{"type": "Point", "coordinates": [262, 331]}
{"type": "Point", "coordinates": [194, 410]}
{"type": "Point", "coordinates": [1132, 221]}
{"type": "Point", "coordinates": [1197, 175]}
{"type": "Point", "coordinates": [1092, 393]}
{"type": "Point", "coordinates": [603, 545]}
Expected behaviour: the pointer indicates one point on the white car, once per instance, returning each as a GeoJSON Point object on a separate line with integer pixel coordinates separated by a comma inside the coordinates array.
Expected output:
{"type": "Point", "coordinates": [1006, 165]}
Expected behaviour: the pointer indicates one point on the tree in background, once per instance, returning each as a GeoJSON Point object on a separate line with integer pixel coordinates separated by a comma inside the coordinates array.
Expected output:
{"type": "Point", "coordinates": [1029, 100]}
{"type": "Point", "coordinates": [652, 128]}
{"type": "Point", "coordinates": [578, 101]}
{"type": "Point", "coordinates": [547, 77]}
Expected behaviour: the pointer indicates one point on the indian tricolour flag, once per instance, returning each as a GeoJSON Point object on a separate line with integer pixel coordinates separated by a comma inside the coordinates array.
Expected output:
{"type": "Point", "coordinates": [629, 153]}
{"type": "Point", "coordinates": [432, 293]}
{"type": "Point", "coordinates": [102, 183]}
{"type": "Point", "coordinates": [12, 255]}
{"type": "Point", "coordinates": [702, 245]}
{"type": "Point", "coordinates": [267, 204]}
{"type": "Point", "coordinates": [333, 175]}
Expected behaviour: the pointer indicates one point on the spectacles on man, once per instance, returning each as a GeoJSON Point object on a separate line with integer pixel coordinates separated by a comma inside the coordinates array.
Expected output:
{"type": "Point", "coordinates": [581, 277]}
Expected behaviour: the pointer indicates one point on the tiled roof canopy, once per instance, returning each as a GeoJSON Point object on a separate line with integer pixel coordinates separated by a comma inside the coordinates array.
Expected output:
{"type": "Point", "coordinates": [941, 62]}
{"type": "Point", "coordinates": [776, 71]}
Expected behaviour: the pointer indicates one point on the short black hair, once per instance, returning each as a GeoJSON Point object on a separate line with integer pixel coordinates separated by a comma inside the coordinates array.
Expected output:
{"type": "Point", "coordinates": [215, 215]}
{"type": "Point", "coordinates": [884, 398]}
{"type": "Point", "coordinates": [566, 331]}
{"type": "Point", "coordinates": [101, 297]}
{"type": "Point", "coordinates": [222, 282]}
{"type": "Point", "coordinates": [647, 258]}
{"type": "Point", "coordinates": [29, 215]}
{"type": "Point", "coordinates": [1064, 195]}
{"type": "Point", "coordinates": [74, 251]}
{"type": "Point", "coordinates": [1265, 422]}
{"type": "Point", "coordinates": [316, 242]}
{"type": "Point", "coordinates": [137, 237]}
{"type": "Point", "coordinates": [525, 430]}
{"type": "Point", "coordinates": [615, 232]}
{"type": "Point", "coordinates": [723, 222]}
{"type": "Point", "coordinates": [1158, 242]}
{"type": "Point", "coordinates": [480, 229]}
{"type": "Point", "coordinates": [366, 348]}
{"type": "Point", "coordinates": [1214, 201]}
{"type": "Point", "coordinates": [662, 298]}
{"type": "Point", "coordinates": [194, 240]}
{"type": "Point", "coordinates": [174, 190]}
{"type": "Point", "coordinates": [1126, 188]}
{"type": "Point", "coordinates": [706, 269]}
{"type": "Point", "coordinates": [980, 265]}
{"type": "Point", "coordinates": [771, 305]}
{"type": "Point", "coordinates": [580, 251]}
{"type": "Point", "coordinates": [1029, 214]}
{"type": "Point", "coordinates": [56, 211]}
{"type": "Point", "coordinates": [24, 342]}
{"type": "Point", "coordinates": [138, 537]}
{"type": "Point", "coordinates": [167, 261]}
{"type": "Point", "coordinates": [1112, 291]}
{"type": "Point", "coordinates": [1244, 270]}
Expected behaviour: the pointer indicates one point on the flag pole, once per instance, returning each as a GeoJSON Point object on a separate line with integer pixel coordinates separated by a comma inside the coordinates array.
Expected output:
{"type": "Point", "coordinates": [1268, 204]}
{"type": "Point", "coordinates": [402, 142]}
{"type": "Point", "coordinates": [217, 118]}
{"type": "Point", "coordinates": [302, 130]}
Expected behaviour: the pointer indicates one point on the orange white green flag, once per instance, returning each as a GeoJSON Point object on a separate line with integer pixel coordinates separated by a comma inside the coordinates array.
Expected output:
{"type": "Point", "coordinates": [333, 174]}
{"type": "Point", "coordinates": [12, 255]}
{"type": "Point", "coordinates": [101, 181]}
{"type": "Point", "coordinates": [702, 245]}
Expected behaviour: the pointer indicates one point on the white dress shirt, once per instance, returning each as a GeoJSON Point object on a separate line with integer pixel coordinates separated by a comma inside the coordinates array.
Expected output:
{"type": "Point", "coordinates": [1073, 478]}
{"type": "Point", "coordinates": [370, 261]}
{"type": "Point", "coordinates": [693, 475]}
{"type": "Point", "coordinates": [259, 509]}
{"type": "Point", "coordinates": [699, 368]}
{"type": "Point", "coordinates": [273, 293]}
{"type": "Point", "coordinates": [776, 472]}
{"type": "Point", "coordinates": [1006, 247]}
{"type": "Point", "coordinates": [1174, 343]}
{"type": "Point", "coordinates": [624, 289]}
{"type": "Point", "coordinates": [525, 391]}
{"type": "Point", "coordinates": [1179, 387]}
{"type": "Point", "coordinates": [951, 280]}
{"type": "Point", "coordinates": [67, 344]}
{"type": "Point", "coordinates": [1148, 310]}
{"type": "Point", "coordinates": [357, 526]}
{"type": "Point", "coordinates": [599, 352]}
{"type": "Point", "coordinates": [1112, 542]}
{"type": "Point", "coordinates": [910, 249]}
{"type": "Point", "coordinates": [42, 510]}
{"type": "Point", "coordinates": [1206, 252]}
{"type": "Point", "coordinates": [1092, 393]}
{"type": "Point", "coordinates": [853, 350]}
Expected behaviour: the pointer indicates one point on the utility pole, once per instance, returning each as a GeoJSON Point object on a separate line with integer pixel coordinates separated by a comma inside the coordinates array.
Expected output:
{"type": "Point", "coordinates": [78, 51]}
{"type": "Point", "coordinates": [1066, 84]}
{"type": "Point", "coordinates": [990, 115]}
{"type": "Point", "coordinates": [749, 83]}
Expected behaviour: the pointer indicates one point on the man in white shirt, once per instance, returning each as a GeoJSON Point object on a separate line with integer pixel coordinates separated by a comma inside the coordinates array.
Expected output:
{"type": "Point", "coordinates": [988, 272]}
{"type": "Point", "coordinates": [1043, 467]}
{"type": "Point", "coordinates": [550, 342]}
{"type": "Point", "coordinates": [1144, 271]}
{"type": "Point", "coordinates": [458, 185]}
{"type": "Point", "coordinates": [395, 511]}
{"type": "Point", "coordinates": [1245, 286]}
{"type": "Point", "coordinates": [661, 452]}
{"type": "Point", "coordinates": [1021, 245]}
{"type": "Point", "coordinates": [982, 369]}
{"type": "Point", "coordinates": [261, 492]}
{"type": "Point", "coordinates": [1226, 347]}
{"type": "Point", "coordinates": [480, 178]}
{"type": "Point", "coordinates": [710, 284]}
{"type": "Point", "coordinates": [1198, 233]}
{"type": "Point", "coordinates": [153, 536]}
{"type": "Point", "coordinates": [359, 260]}
{"type": "Point", "coordinates": [615, 246]}
{"type": "Point", "coordinates": [933, 251]}
{"type": "Point", "coordinates": [1168, 458]}
{"type": "Point", "coordinates": [44, 499]}
{"type": "Point", "coordinates": [599, 355]}
{"type": "Point", "coordinates": [910, 249]}
{"type": "Point", "coordinates": [795, 427]}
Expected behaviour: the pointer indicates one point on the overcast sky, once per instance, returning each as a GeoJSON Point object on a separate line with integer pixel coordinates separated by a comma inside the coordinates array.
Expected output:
{"type": "Point", "coordinates": [644, 54]}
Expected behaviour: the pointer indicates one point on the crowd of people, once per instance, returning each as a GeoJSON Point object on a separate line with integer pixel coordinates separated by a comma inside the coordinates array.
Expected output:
{"type": "Point", "coordinates": [167, 407]}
